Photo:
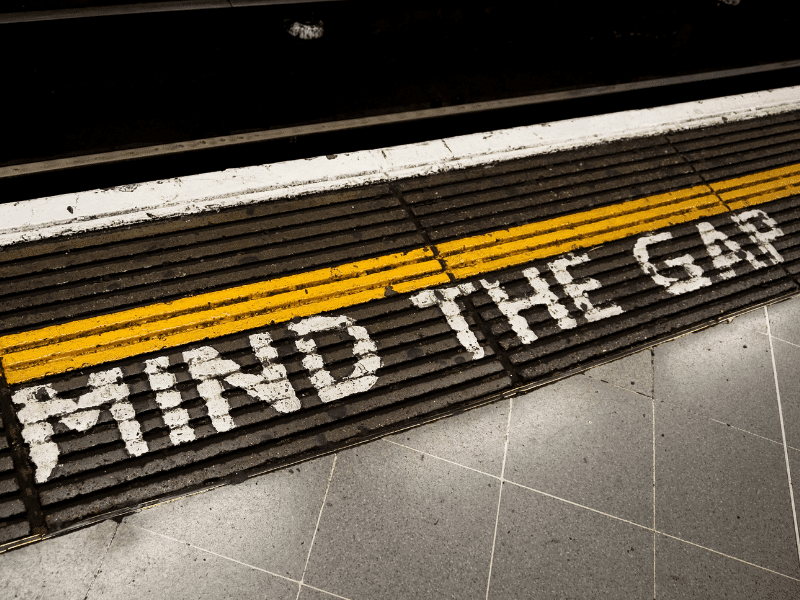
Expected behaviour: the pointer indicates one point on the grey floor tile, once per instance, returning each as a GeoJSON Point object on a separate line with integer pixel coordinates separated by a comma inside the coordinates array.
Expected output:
{"type": "Point", "coordinates": [794, 465]}
{"type": "Point", "coordinates": [723, 489]}
{"type": "Point", "coordinates": [588, 442]}
{"type": "Point", "coordinates": [475, 438]}
{"type": "Point", "coordinates": [724, 372]}
{"type": "Point", "coordinates": [686, 571]}
{"type": "Point", "coordinates": [61, 567]}
{"type": "Point", "coordinates": [755, 320]}
{"type": "Point", "coordinates": [267, 521]}
{"type": "Point", "coordinates": [784, 320]}
{"type": "Point", "coordinates": [398, 524]}
{"type": "Point", "coordinates": [787, 366]}
{"type": "Point", "coordinates": [140, 564]}
{"type": "Point", "coordinates": [550, 549]}
{"type": "Point", "coordinates": [634, 372]}
{"type": "Point", "coordinates": [308, 593]}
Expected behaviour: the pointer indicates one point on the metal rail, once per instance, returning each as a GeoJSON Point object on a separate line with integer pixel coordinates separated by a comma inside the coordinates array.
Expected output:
{"type": "Point", "coordinates": [175, 148]}
{"type": "Point", "coordinates": [136, 8]}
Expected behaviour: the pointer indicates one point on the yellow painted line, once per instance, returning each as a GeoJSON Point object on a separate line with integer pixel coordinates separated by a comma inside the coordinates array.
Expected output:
{"type": "Point", "coordinates": [490, 252]}
{"type": "Point", "coordinates": [87, 342]}
{"type": "Point", "coordinates": [57, 349]}
{"type": "Point", "coordinates": [759, 188]}
{"type": "Point", "coordinates": [220, 299]}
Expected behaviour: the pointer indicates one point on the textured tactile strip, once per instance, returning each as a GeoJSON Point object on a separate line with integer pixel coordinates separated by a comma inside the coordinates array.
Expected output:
{"type": "Point", "coordinates": [13, 513]}
{"type": "Point", "coordinates": [84, 342]}
{"type": "Point", "coordinates": [429, 362]}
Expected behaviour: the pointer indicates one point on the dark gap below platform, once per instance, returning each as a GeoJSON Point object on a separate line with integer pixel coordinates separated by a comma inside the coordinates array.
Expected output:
{"type": "Point", "coordinates": [190, 75]}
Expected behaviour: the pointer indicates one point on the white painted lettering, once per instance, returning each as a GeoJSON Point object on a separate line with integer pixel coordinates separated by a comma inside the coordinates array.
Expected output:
{"type": "Point", "coordinates": [271, 385]}
{"type": "Point", "coordinates": [541, 295]}
{"type": "Point", "coordinates": [761, 238]}
{"type": "Point", "coordinates": [162, 382]}
{"type": "Point", "coordinates": [445, 298]}
{"type": "Point", "coordinates": [41, 402]}
{"type": "Point", "coordinates": [274, 388]}
{"type": "Point", "coordinates": [724, 261]}
{"type": "Point", "coordinates": [363, 376]}
{"type": "Point", "coordinates": [674, 286]}
{"type": "Point", "coordinates": [206, 366]}
{"type": "Point", "coordinates": [577, 291]}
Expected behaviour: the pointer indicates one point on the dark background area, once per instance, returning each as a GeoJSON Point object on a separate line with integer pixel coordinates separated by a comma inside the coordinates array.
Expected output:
{"type": "Point", "coordinates": [82, 86]}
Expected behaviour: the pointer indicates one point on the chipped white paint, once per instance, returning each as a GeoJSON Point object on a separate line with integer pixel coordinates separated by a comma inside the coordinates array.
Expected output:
{"type": "Point", "coordinates": [674, 285]}
{"type": "Point", "coordinates": [363, 375]}
{"type": "Point", "coordinates": [577, 291]}
{"type": "Point", "coordinates": [541, 296]}
{"type": "Point", "coordinates": [38, 405]}
{"type": "Point", "coordinates": [107, 388]}
{"type": "Point", "coordinates": [445, 299]}
{"type": "Point", "coordinates": [275, 388]}
{"type": "Point", "coordinates": [162, 382]}
{"type": "Point", "coordinates": [41, 402]}
{"type": "Point", "coordinates": [761, 238]}
{"type": "Point", "coordinates": [306, 31]}
{"type": "Point", "coordinates": [206, 366]}
{"type": "Point", "coordinates": [99, 209]}
{"type": "Point", "coordinates": [271, 385]}
{"type": "Point", "coordinates": [724, 261]}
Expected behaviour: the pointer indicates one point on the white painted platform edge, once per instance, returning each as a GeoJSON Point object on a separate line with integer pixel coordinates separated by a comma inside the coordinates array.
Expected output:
{"type": "Point", "coordinates": [79, 212]}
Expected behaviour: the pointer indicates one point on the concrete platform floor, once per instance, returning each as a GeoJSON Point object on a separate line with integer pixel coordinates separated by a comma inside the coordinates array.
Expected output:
{"type": "Point", "coordinates": [666, 474]}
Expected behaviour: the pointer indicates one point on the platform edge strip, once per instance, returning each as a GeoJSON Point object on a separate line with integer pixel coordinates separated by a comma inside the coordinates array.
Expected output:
{"type": "Point", "coordinates": [68, 214]}
{"type": "Point", "coordinates": [87, 342]}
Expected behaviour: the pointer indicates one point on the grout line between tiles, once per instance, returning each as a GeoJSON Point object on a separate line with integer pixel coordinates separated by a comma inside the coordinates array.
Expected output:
{"type": "Point", "coordinates": [783, 433]}
{"type": "Point", "coordinates": [652, 529]}
{"type": "Point", "coordinates": [726, 555]}
{"type": "Point", "coordinates": [619, 387]}
{"type": "Point", "coordinates": [782, 340]}
{"type": "Point", "coordinates": [703, 416]}
{"type": "Point", "coordinates": [442, 459]}
{"type": "Point", "coordinates": [499, 496]}
{"type": "Point", "coordinates": [316, 527]}
{"type": "Point", "coordinates": [653, 399]}
{"type": "Point", "coordinates": [100, 565]}
{"type": "Point", "coordinates": [600, 512]}
{"type": "Point", "coordinates": [311, 587]}
{"type": "Point", "coordinates": [743, 430]}
{"type": "Point", "coordinates": [654, 496]}
{"type": "Point", "coordinates": [212, 552]}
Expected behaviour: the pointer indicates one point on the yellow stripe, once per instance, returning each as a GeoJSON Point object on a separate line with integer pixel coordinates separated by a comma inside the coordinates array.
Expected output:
{"type": "Point", "coordinates": [87, 342]}
{"type": "Point", "coordinates": [485, 253]}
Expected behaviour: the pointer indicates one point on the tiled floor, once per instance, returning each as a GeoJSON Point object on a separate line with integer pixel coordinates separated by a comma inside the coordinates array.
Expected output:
{"type": "Point", "coordinates": [664, 473]}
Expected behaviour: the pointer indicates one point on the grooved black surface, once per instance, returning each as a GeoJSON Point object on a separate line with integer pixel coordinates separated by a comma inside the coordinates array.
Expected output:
{"type": "Point", "coordinates": [425, 371]}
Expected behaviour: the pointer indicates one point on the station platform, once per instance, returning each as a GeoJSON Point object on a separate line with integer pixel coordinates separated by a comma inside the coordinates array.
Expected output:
{"type": "Point", "coordinates": [194, 366]}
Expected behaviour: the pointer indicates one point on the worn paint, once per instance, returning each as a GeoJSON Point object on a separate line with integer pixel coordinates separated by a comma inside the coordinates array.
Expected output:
{"type": "Point", "coordinates": [39, 404]}
{"type": "Point", "coordinates": [542, 295]}
{"type": "Point", "coordinates": [275, 388]}
{"type": "Point", "coordinates": [168, 399]}
{"type": "Point", "coordinates": [363, 376]}
{"type": "Point", "coordinates": [724, 261]}
{"type": "Point", "coordinates": [696, 279]}
{"type": "Point", "coordinates": [87, 342]}
{"type": "Point", "coordinates": [95, 210]}
{"type": "Point", "coordinates": [445, 299]}
{"type": "Point", "coordinates": [577, 290]}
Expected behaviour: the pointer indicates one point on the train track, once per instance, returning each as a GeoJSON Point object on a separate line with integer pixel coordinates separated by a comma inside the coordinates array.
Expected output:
{"type": "Point", "coordinates": [457, 71]}
{"type": "Point", "coordinates": [26, 180]}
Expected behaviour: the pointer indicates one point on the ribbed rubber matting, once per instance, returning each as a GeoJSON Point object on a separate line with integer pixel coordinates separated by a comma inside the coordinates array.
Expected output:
{"type": "Point", "coordinates": [430, 364]}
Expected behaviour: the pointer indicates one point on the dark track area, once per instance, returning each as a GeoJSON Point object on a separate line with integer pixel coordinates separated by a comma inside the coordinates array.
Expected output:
{"type": "Point", "coordinates": [84, 86]}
